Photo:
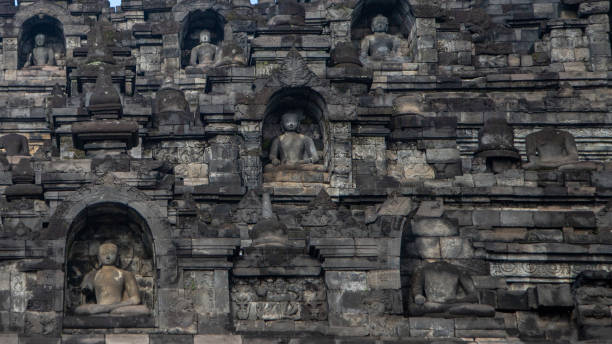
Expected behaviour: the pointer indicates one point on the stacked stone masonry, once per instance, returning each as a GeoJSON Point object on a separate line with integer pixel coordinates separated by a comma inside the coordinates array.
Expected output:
{"type": "Point", "coordinates": [296, 172]}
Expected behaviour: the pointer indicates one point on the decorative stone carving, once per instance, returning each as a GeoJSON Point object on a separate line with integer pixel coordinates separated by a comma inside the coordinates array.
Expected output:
{"type": "Point", "coordinates": [40, 55]}
{"type": "Point", "coordinates": [115, 289]}
{"type": "Point", "coordinates": [379, 45]}
{"type": "Point", "coordinates": [269, 232]}
{"type": "Point", "coordinates": [593, 297]}
{"type": "Point", "coordinates": [496, 145]}
{"type": "Point", "coordinates": [104, 101]}
{"type": "Point", "coordinates": [98, 41]}
{"type": "Point", "coordinates": [294, 71]}
{"type": "Point", "coordinates": [551, 148]}
{"type": "Point", "coordinates": [279, 298]}
{"type": "Point", "coordinates": [442, 289]}
{"type": "Point", "coordinates": [205, 53]}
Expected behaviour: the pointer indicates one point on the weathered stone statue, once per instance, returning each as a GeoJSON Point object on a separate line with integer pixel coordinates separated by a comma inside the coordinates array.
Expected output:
{"type": "Point", "coordinates": [231, 54]}
{"type": "Point", "coordinates": [115, 289]}
{"type": "Point", "coordinates": [205, 53]}
{"type": "Point", "coordinates": [15, 145]}
{"type": "Point", "coordinates": [291, 149]}
{"type": "Point", "coordinates": [442, 289]}
{"type": "Point", "coordinates": [496, 145]}
{"type": "Point", "coordinates": [40, 55]}
{"type": "Point", "coordinates": [551, 148]}
{"type": "Point", "coordinates": [379, 45]}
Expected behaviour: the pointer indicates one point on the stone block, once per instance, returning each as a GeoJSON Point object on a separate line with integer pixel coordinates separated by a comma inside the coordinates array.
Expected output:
{"type": "Point", "coordinates": [39, 340]}
{"type": "Point", "coordinates": [512, 300]}
{"type": "Point", "coordinates": [442, 155]}
{"type": "Point", "coordinates": [431, 327]}
{"type": "Point", "coordinates": [549, 219]}
{"type": "Point", "coordinates": [433, 227]}
{"type": "Point", "coordinates": [430, 209]}
{"type": "Point", "coordinates": [484, 180]}
{"type": "Point", "coordinates": [593, 7]}
{"type": "Point", "coordinates": [82, 339]}
{"type": "Point", "coordinates": [348, 319]}
{"type": "Point", "coordinates": [581, 219]}
{"type": "Point", "coordinates": [529, 325]}
{"type": "Point", "coordinates": [127, 339]}
{"type": "Point", "coordinates": [480, 324]}
{"type": "Point", "coordinates": [545, 235]}
{"type": "Point", "coordinates": [486, 218]}
{"type": "Point", "coordinates": [346, 280]}
{"type": "Point", "coordinates": [384, 279]}
{"type": "Point", "coordinates": [216, 339]}
{"type": "Point", "coordinates": [511, 218]}
{"type": "Point", "coordinates": [9, 338]}
{"type": "Point", "coordinates": [550, 295]}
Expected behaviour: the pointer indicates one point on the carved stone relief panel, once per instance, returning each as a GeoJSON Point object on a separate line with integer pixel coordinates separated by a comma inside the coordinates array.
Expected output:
{"type": "Point", "coordinates": [279, 298]}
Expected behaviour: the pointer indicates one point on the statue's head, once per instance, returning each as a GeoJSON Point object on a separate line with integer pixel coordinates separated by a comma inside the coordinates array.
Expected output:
{"type": "Point", "coordinates": [380, 23]}
{"type": "Point", "coordinates": [39, 40]}
{"type": "Point", "coordinates": [107, 253]}
{"type": "Point", "coordinates": [204, 36]}
{"type": "Point", "coordinates": [291, 120]}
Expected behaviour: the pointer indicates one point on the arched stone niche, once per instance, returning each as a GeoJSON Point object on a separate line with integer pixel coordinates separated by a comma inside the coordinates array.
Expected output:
{"type": "Point", "coordinates": [108, 198]}
{"type": "Point", "coordinates": [121, 225]}
{"type": "Point", "coordinates": [294, 83]}
{"type": "Point", "coordinates": [53, 30]}
{"type": "Point", "coordinates": [312, 123]}
{"type": "Point", "coordinates": [398, 13]}
{"type": "Point", "coordinates": [193, 23]}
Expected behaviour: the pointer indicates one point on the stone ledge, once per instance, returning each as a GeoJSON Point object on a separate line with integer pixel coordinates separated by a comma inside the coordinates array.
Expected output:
{"type": "Point", "coordinates": [108, 321]}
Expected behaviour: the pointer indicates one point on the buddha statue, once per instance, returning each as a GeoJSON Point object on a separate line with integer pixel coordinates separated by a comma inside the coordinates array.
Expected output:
{"type": "Point", "coordinates": [292, 150]}
{"type": "Point", "coordinates": [205, 53]}
{"type": "Point", "coordinates": [551, 148]}
{"type": "Point", "coordinates": [441, 288]}
{"type": "Point", "coordinates": [116, 290]}
{"type": "Point", "coordinates": [379, 45]}
{"type": "Point", "coordinates": [40, 55]}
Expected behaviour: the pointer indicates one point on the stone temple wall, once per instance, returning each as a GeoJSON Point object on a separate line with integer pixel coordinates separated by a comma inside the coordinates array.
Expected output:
{"type": "Point", "coordinates": [450, 180]}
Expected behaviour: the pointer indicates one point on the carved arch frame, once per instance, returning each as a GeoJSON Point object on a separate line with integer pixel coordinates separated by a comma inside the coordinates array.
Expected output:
{"type": "Point", "coordinates": [400, 10]}
{"type": "Point", "coordinates": [294, 75]}
{"type": "Point", "coordinates": [71, 27]}
{"type": "Point", "coordinates": [164, 253]}
{"type": "Point", "coordinates": [186, 10]}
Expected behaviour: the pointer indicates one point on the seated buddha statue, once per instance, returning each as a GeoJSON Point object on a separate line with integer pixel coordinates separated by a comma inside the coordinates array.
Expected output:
{"type": "Point", "coordinates": [116, 290]}
{"type": "Point", "coordinates": [293, 150]}
{"type": "Point", "coordinates": [379, 45]}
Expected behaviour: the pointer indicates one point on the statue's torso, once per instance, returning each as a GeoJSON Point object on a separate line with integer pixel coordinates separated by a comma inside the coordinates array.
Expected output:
{"type": "Point", "coordinates": [109, 284]}
{"type": "Point", "coordinates": [41, 56]}
{"type": "Point", "coordinates": [381, 45]}
{"type": "Point", "coordinates": [291, 147]}
{"type": "Point", "coordinates": [206, 52]}
{"type": "Point", "coordinates": [441, 286]}
{"type": "Point", "coordinates": [551, 147]}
